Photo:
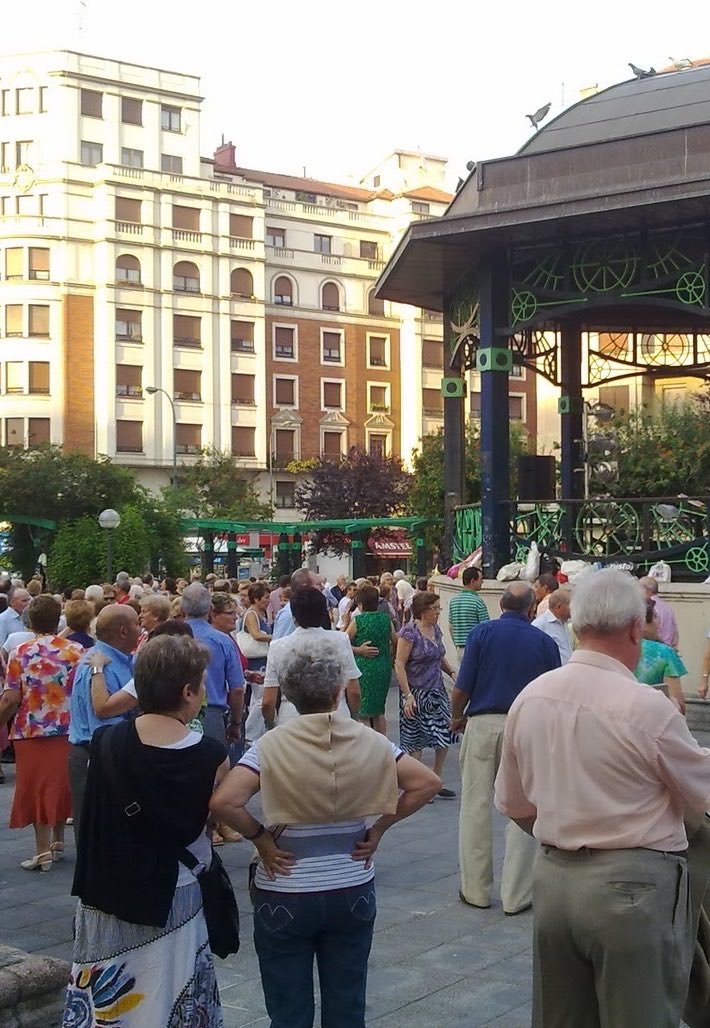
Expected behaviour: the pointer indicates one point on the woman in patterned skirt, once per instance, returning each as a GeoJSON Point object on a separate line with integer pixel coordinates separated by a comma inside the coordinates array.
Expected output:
{"type": "Point", "coordinates": [425, 711]}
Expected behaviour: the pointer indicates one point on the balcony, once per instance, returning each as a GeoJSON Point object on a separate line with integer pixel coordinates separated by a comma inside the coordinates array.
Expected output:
{"type": "Point", "coordinates": [134, 392]}
{"type": "Point", "coordinates": [331, 259]}
{"type": "Point", "coordinates": [129, 228]}
{"type": "Point", "coordinates": [194, 344]}
{"type": "Point", "coordinates": [433, 412]}
{"type": "Point", "coordinates": [278, 461]}
{"type": "Point", "coordinates": [377, 362]}
{"type": "Point", "coordinates": [240, 243]}
{"type": "Point", "coordinates": [379, 408]}
{"type": "Point", "coordinates": [283, 253]}
{"type": "Point", "coordinates": [242, 346]}
{"type": "Point", "coordinates": [331, 356]}
{"type": "Point", "coordinates": [284, 353]}
{"type": "Point", "coordinates": [128, 448]}
{"type": "Point", "coordinates": [190, 448]}
{"type": "Point", "coordinates": [196, 397]}
{"type": "Point", "coordinates": [243, 401]}
{"type": "Point", "coordinates": [183, 235]}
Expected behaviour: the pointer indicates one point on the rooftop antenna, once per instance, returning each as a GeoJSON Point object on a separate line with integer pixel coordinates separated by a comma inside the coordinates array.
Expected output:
{"type": "Point", "coordinates": [80, 11]}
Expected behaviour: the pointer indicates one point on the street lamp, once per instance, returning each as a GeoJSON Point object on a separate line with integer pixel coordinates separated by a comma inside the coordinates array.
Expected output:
{"type": "Point", "coordinates": [152, 390]}
{"type": "Point", "coordinates": [109, 520]}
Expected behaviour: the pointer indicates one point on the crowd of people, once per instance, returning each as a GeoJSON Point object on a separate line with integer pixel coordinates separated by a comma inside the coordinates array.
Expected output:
{"type": "Point", "coordinates": [185, 699]}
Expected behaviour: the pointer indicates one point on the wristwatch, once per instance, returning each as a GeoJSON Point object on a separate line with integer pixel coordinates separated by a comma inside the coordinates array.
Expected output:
{"type": "Point", "coordinates": [96, 671]}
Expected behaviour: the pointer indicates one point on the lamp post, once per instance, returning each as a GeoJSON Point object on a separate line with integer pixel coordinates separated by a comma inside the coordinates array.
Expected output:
{"type": "Point", "coordinates": [152, 390]}
{"type": "Point", "coordinates": [109, 520]}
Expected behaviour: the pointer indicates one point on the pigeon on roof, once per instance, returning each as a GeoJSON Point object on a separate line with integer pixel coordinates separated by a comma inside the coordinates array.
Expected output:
{"type": "Point", "coordinates": [681, 64]}
{"type": "Point", "coordinates": [539, 115]}
{"type": "Point", "coordinates": [640, 73]}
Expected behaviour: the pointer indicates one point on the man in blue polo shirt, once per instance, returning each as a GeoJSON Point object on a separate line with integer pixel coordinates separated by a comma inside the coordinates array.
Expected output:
{"type": "Point", "coordinates": [500, 659]}
{"type": "Point", "coordinates": [117, 632]}
{"type": "Point", "coordinates": [225, 678]}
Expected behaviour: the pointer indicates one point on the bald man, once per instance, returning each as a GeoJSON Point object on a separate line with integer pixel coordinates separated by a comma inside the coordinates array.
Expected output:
{"type": "Point", "coordinates": [554, 622]}
{"type": "Point", "coordinates": [117, 632]}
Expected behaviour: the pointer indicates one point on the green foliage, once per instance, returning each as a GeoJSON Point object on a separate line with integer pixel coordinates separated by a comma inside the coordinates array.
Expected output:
{"type": "Point", "coordinates": [78, 554]}
{"type": "Point", "coordinates": [215, 487]}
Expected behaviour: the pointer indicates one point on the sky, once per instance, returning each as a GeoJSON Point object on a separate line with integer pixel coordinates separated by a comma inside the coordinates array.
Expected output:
{"type": "Point", "coordinates": [333, 86]}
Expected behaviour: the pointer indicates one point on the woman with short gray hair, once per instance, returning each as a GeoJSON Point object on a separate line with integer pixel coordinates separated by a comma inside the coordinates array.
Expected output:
{"type": "Point", "coordinates": [320, 775]}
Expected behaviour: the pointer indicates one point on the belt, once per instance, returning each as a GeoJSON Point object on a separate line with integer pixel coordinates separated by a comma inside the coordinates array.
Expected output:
{"type": "Point", "coordinates": [82, 745]}
{"type": "Point", "coordinates": [480, 713]}
{"type": "Point", "coordinates": [586, 851]}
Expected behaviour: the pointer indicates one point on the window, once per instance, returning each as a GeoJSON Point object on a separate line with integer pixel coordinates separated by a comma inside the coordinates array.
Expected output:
{"type": "Point", "coordinates": [24, 100]}
{"type": "Point", "coordinates": [38, 432]}
{"type": "Point", "coordinates": [14, 377]}
{"type": "Point", "coordinates": [187, 385]}
{"type": "Point", "coordinates": [275, 237]}
{"type": "Point", "coordinates": [419, 208]}
{"type": "Point", "coordinates": [285, 494]}
{"type": "Point", "coordinates": [13, 263]}
{"type": "Point", "coordinates": [186, 277]}
{"type": "Point", "coordinates": [377, 351]}
{"type": "Point", "coordinates": [378, 399]}
{"type": "Point", "coordinates": [284, 343]}
{"type": "Point", "coordinates": [375, 307]}
{"type": "Point", "coordinates": [376, 181]}
{"type": "Point", "coordinates": [129, 380]}
{"type": "Point", "coordinates": [241, 283]}
{"type": "Point", "coordinates": [131, 111]}
{"type": "Point", "coordinates": [433, 353]}
{"type": "Point", "coordinates": [368, 249]}
{"type": "Point", "coordinates": [39, 377]}
{"type": "Point", "coordinates": [131, 158]}
{"type": "Point", "coordinates": [243, 390]}
{"type": "Point", "coordinates": [43, 110]}
{"type": "Point", "coordinates": [518, 371]}
{"type": "Point", "coordinates": [128, 210]}
{"type": "Point", "coordinates": [331, 342]}
{"type": "Point", "coordinates": [283, 291]}
{"type": "Point", "coordinates": [615, 396]}
{"type": "Point", "coordinates": [188, 438]}
{"type": "Point", "coordinates": [91, 154]}
{"type": "Point", "coordinates": [6, 102]}
{"type": "Point", "coordinates": [39, 319]}
{"type": "Point", "coordinates": [171, 164]}
{"type": "Point", "coordinates": [22, 151]}
{"type": "Point", "coordinates": [242, 336]}
{"type": "Point", "coordinates": [92, 103]}
{"type": "Point", "coordinates": [432, 402]}
{"type": "Point", "coordinates": [26, 204]}
{"type": "Point", "coordinates": [516, 408]}
{"type": "Point", "coordinates": [330, 297]}
{"type": "Point", "coordinates": [321, 244]}
{"type": "Point", "coordinates": [170, 118]}
{"type": "Point", "coordinates": [332, 395]}
{"type": "Point", "coordinates": [475, 405]}
{"type": "Point", "coordinates": [332, 444]}
{"type": "Point", "coordinates": [13, 319]}
{"type": "Point", "coordinates": [39, 263]}
{"type": "Point", "coordinates": [284, 392]}
{"type": "Point", "coordinates": [186, 330]}
{"type": "Point", "coordinates": [128, 270]}
{"type": "Point", "coordinates": [186, 218]}
{"type": "Point", "coordinates": [241, 226]}
{"type": "Point", "coordinates": [129, 436]}
{"type": "Point", "coordinates": [128, 325]}
{"type": "Point", "coordinates": [243, 441]}
{"type": "Point", "coordinates": [15, 432]}
{"type": "Point", "coordinates": [377, 444]}
{"type": "Point", "coordinates": [285, 444]}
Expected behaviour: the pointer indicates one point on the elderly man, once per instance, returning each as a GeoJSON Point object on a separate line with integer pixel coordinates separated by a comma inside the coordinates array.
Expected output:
{"type": "Point", "coordinates": [500, 658]}
{"type": "Point", "coordinates": [544, 586]}
{"type": "Point", "coordinates": [225, 678]}
{"type": "Point", "coordinates": [284, 624]}
{"type": "Point", "coordinates": [117, 631]}
{"type": "Point", "coordinates": [666, 625]}
{"type": "Point", "coordinates": [11, 618]}
{"type": "Point", "coordinates": [554, 622]}
{"type": "Point", "coordinates": [601, 769]}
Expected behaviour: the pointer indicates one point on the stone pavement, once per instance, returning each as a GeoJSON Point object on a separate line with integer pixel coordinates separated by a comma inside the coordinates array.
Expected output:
{"type": "Point", "coordinates": [435, 963]}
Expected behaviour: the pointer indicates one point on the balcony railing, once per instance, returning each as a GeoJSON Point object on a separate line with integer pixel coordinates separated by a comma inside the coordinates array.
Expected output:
{"type": "Point", "coordinates": [130, 228]}
{"type": "Point", "coordinates": [195, 344]}
{"type": "Point", "coordinates": [186, 396]}
{"type": "Point", "coordinates": [183, 235]}
{"type": "Point", "coordinates": [131, 391]}
{"type": "Point", "coordinates": [192, 448]}
{"type": "Point", "coordinates": [379, 408]}
{"type": "Point", "coordinates": [242, 346]}
{"type": "Point", "coordinates": [244, 401]}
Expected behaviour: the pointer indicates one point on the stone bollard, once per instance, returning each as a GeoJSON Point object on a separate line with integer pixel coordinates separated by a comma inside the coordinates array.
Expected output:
{"type": "Point", "coordinates": [697, 714]}
{"type": "Point", "coordinates": [32, 989]}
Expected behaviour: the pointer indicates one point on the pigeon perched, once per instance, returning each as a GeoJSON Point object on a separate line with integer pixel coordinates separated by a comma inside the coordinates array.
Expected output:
{"type": "Point", "coordinates": [539, 115]}
{"type": "Point", "coordinates": [640, 73]}
{"type": "Point", "coordinates": [682, 64]}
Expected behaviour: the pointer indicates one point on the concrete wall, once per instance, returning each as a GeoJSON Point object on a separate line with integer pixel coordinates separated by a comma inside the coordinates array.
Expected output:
{"type": "Point", "coordinates": [691, 604]}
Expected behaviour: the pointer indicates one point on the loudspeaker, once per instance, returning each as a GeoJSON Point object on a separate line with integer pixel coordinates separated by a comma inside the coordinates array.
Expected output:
{"type": "Point", "coordinates": [536, 477]}
{"type": "Point", "coordinates": [453, 387]}
{"type": "Point", "coordinates": [494, 358]}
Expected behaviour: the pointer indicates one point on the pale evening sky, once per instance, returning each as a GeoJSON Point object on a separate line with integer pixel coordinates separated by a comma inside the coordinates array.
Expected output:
{"type": "Point", "coordinates": [333, 86]}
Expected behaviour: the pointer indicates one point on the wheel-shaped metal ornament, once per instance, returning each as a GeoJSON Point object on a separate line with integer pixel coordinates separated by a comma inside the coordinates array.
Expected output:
{"type": "Point", "coordinates": [606, 528]}
{"type": "Point", "coordinates": [697, 561]}
{"type": "Point", "coordinates": [690, 288]}
{"type": "Point", "coordinates": [605, 265]}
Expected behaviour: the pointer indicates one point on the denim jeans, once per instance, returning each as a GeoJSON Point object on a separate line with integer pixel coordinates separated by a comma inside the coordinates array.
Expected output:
{"type": "Point", "coordinates": [336, 928]}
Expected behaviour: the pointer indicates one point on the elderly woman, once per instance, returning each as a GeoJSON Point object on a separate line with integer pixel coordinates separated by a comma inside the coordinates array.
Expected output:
{"type": "Point", "coordinates": [659, 665]}
{"type": "Point", "coordinates": [79, 614]}
{"type": "Point", "coordinates": [425, 711]}
{"type": "Point", "coordinates": [37, 694]}
{"type": "Point", "coordinates": [320, 775]}
{"type": "Point", "coordinates": [141, 953]}
{"type": "Point", "coordinates": [154, 609]}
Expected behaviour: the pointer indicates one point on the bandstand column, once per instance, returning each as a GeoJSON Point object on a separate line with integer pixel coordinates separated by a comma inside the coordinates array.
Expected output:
{"type": "Point", "coordinates": [453, 389]}
{"type": "Point", "coordinates": [232, 555]}
{"type": "Point", "coordinates": [571, 407]}
{"type": "Point", "coordinates": [494, 361]}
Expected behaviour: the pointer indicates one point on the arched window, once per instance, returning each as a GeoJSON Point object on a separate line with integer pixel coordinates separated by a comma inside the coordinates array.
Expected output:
{"type": "Point", "coordinates": [128, 270]}
{"type": "Point", "coordinates": [186, 277]}
{"type": "Point", "coordinates": [283, 291]}
{"type": "Point", "coordinates": [241, 283]}
{"type": "Point", "coordinates": [375, 307]}
{"type": "Point", "coordinates": [330, 297]}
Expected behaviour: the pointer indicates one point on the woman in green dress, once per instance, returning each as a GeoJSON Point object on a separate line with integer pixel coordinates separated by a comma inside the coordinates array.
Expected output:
{"type": "Point", "coordinates": [659, 665]}
{"type": "Point", "coordinates": [373, 627]}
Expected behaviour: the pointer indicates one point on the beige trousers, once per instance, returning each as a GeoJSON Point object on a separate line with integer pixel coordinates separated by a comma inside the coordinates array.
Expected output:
{"type": "Point", "coordinates": [479, 759]}
{"type": "Point", "coordinates": [612, 939]}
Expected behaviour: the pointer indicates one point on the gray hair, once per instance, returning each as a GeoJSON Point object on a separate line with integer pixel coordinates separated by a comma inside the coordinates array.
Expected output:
{"type": "Point", "coordinates": [123, 579]}
{"type": "Point", "coordinates": [606, 602]}
{"type": "Point", "coordinates": [649, 584]}
{"type": "Point", "coordinates": [196, 600]}
{"type": "Point", "coordinates": [517, 597]}
{"type": "Point", "coordinates": [157, 605]}
{"type": "Point", "coordinates": [94, 593]}
{"type": "Point", "coordinates": [310, 675]}
{"type": "Point", "coordinates": [558, 597]}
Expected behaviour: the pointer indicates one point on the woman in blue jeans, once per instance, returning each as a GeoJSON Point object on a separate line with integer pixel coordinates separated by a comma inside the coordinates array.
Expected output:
{"type": "Point", "coordinates": [320, 776]}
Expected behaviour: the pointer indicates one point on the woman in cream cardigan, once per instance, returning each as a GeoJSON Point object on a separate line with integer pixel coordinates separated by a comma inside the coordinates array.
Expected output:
{"type": "Point", "coordinates": [320, 776]}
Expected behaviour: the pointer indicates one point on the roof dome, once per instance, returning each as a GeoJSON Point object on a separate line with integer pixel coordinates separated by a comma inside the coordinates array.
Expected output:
{"type": "Point", "coordinates": [669, 100]}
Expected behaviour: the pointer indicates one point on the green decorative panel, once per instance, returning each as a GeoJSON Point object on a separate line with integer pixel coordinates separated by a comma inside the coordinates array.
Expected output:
{"type": "Point", "coordinates": [494, 358]}
{"type": "Point", "coordinates": [453, 387]}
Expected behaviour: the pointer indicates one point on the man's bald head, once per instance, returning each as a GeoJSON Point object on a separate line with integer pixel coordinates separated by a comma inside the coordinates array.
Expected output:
{"type": "Point", "coordinates": [18, 599]}
{"type": "Point", "coordinates": [302, 578]}
{"type": "Point", "coordinates": [559, 604]}
{"type": "Point", "coordinates": [518, 598]}
{"type": "Point", "coordinates": [117, 625]}
{"type": "Point", "coordinates": [649, 586]}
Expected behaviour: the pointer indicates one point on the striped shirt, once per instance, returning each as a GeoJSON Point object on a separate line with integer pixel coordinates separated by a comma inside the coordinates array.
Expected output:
{"type": "Point", "coordinates": [466, 610]}
{"type": "Point", "coordinates": [323, 852]}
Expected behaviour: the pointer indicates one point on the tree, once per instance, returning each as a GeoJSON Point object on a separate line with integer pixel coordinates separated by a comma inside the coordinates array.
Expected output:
{"type": "Point", "coordinates": [360, 485]}
{"type": "Point", "coordinates": [214, 487]}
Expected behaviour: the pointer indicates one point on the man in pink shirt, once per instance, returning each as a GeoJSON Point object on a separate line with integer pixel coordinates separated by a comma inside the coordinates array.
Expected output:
{"type": "Point", "coordinates": [666, 625]}
{"type": "Point", "coordinates": [600, 769]}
